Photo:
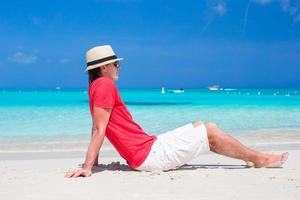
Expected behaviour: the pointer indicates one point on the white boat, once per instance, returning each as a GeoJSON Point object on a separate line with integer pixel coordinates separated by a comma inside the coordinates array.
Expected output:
{"type": "Point", "coordinates": [181, 90]}
{"type": "Point", "coordinates": [214, 87]}
{"type": "Point", "coordinates": [162, 90]}
{"type": "Point", "coordinates": [229, 89]}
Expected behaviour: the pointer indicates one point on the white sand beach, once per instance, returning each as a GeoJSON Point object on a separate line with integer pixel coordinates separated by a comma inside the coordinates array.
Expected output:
{"type": "Point", "coordinates": [40, 175]}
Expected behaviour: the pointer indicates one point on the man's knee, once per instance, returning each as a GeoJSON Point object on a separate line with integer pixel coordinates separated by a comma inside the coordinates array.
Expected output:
{"type": "Point", "coordinates": [213, 132]}
{"type": "Point", "coordinates": [210, 127]}
{"type": "Point", "coordinates": [197, 123]}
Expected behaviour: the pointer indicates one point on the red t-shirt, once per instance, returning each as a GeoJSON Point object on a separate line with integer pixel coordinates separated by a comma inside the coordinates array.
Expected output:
{"type": "Point", "coordinates": [130, 140]}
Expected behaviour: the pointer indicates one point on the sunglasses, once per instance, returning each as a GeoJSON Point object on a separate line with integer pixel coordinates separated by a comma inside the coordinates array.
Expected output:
{"type": "Point", "coordinates": [117, 65]}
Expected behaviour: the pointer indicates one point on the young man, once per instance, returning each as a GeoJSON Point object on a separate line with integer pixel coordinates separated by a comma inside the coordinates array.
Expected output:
{"type": "Point", "coordinates": [148, 152]}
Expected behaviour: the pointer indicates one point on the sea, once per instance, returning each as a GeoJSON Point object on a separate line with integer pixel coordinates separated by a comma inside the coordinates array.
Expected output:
{"type": "Point", "coordinates": [64, 115]}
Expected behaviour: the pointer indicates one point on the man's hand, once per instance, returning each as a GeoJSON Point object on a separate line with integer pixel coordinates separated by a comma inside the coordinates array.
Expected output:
{"type": "Point", "coordinates": [100, 121]}
{"type": "Point", "coordinates": [78, 172]}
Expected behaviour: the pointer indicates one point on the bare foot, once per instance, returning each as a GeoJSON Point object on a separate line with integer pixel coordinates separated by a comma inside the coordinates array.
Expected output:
{"type": "Point", "coordinates": [272, 161]}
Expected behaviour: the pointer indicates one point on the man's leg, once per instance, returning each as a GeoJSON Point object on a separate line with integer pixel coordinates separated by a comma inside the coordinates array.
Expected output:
{"type": "Point", "coordinates": [226, 145]}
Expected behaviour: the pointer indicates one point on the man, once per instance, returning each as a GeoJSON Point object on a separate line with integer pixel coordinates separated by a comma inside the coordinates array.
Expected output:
{"type": "Point", "coordinates": [148, 152]}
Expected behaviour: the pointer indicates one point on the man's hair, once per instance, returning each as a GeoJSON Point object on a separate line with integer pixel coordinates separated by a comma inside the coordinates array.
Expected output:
{"type": "Point", "coordinates": [94, 74]}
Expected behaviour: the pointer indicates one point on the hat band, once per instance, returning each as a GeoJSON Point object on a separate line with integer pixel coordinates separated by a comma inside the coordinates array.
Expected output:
{"type": "Point", "coordinates": [101, 60]}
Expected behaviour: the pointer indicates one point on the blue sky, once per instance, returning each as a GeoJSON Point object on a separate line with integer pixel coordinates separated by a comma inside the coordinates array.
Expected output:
{"type": "Point", "coordinates": [190, 44]}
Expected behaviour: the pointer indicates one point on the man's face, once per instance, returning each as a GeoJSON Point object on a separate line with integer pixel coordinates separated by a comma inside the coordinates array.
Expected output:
{"type": "Point", "coordinates": [111, 70]}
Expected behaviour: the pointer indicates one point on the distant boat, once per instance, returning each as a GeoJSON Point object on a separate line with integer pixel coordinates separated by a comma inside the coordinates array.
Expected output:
{"type": "Point", "coordinates": [181, 90]}
{"type": "Point", "coordinates": [162, 90]}
{"type": "Point", "coordinates": [229, 89]}
{"type": "Point", "coordinates": [214, 87]}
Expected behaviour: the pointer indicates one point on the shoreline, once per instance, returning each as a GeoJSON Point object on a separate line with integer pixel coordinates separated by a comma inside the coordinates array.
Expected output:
{"type": "Point", "coordinates": [261, 140]}
{"type": "Point", "coordinates": [255, 138]}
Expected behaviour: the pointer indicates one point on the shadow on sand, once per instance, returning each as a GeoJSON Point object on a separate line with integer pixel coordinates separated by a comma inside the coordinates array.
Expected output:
{"type": "Point", "coordinates": [214, 166]}
{"type": "Point", "coordinates": [117, 166]}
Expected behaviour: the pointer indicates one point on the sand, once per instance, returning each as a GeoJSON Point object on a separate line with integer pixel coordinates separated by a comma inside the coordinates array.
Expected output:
{"type": "Point", "coordinates": [25, 176]}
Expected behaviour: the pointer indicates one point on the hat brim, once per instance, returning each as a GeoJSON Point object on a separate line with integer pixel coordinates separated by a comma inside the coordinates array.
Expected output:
{"type": "Point", "coordinates": [101, 64]}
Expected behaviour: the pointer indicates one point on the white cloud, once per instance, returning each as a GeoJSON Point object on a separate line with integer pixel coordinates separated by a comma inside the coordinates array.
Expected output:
{"type": "Point", "coordinates": [220, 8]}
{"type": "Point", "coordinates": [64, 60]}
{"type": "Point", "coordinates": [22, 58]}
{"type": "Point", "coordinates": [214, 9]}
{"type": "Point", "coordinates": [292, 7]}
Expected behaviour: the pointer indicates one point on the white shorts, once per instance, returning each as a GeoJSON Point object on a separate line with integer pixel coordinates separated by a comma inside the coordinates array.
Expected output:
{"type": "Point", "coordinates": [175, 148]}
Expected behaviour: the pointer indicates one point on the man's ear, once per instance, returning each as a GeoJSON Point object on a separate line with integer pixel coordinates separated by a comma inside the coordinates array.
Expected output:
{"type": "Point", "coordinates": [103, 68]}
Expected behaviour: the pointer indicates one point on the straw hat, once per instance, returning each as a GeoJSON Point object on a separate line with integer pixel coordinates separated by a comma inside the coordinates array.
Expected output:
{"type": "Point", "coordinates": [100, 55]}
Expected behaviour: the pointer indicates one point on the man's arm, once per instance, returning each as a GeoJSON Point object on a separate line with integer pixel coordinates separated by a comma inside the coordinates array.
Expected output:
{"type": "Point", "coordinates": [97, 157]}
{"type": "Point", "coordinates": [100, 121]}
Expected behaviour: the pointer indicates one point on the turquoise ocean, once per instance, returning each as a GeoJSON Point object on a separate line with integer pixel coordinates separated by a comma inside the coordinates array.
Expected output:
{"type": "Point", "coordinates": [35, 115]}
